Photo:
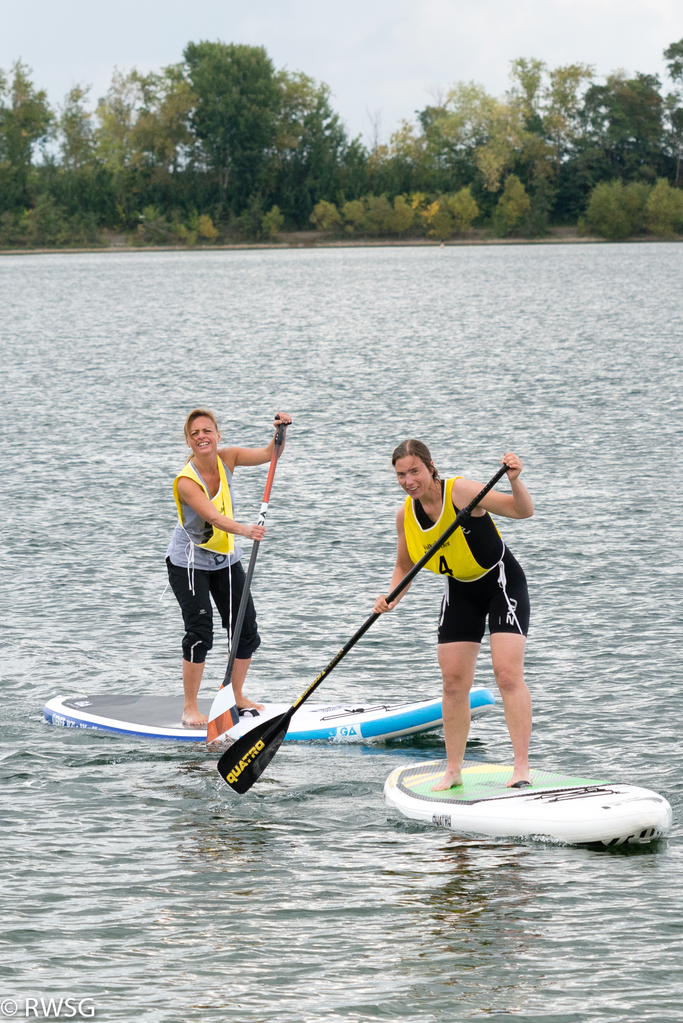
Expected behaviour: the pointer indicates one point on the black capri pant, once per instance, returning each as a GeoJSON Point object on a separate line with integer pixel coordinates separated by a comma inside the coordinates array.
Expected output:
{"type": "Point", "coordinates": [198, 613]}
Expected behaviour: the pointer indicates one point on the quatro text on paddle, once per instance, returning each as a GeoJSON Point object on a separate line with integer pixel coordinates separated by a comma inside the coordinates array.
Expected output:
{"type": "Point", "coordinates": [245, 761]}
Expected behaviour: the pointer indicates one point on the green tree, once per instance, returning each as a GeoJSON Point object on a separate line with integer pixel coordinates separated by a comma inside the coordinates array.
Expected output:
{"type": "Point", "coordinates": [513, 206]}
{"type": "Point", "coordinates": [325, 216]}
{"type": "Point", "coordinates": [664, 208]}
{"type": "Point", "coordinates": [527, 79]}
{"type": "Point", "coordinates": [161, 135]}
{"type": "Point", "coordinates": [353, 213]}
{"type": "Point", "coordinates": [439, 219]}
{"type": "Point", "coordinates": [562, 111]}
{"type": "Point", "coordinates": [272, 222]}
{"type": "Point", "coordinates": [551, 101]}
{"type": "Point", "coordinates": [616, 210]}
{"type": "Point", "coordinates": [48, 224]}
{"type": "Point", "coordinates": [76, 131]}
{"type": "Point", "coordinates": [305, 163]}
{"type": "Point", "coordinates": [379, 215]}
{"type": "Point", "coordinates": [234, 114]}
{"type": "Point", "coordinates": [206, 228]}
{"type": "Point", "coordinates": [673, 55]}
{"type": "Point", "coordinates": [407, 164]}
{"type": "Point", "coordinates": [673, 104]}
{"type": "Point", "coordinates": [624, 127]}
{"type": "Point", "coordinates": [404, 215]}
{"type": "Point", "coordinates": [25, 121]}
{"type": "Point", "coordinates": [464, 210]}
{"type": "Point", "coordinates": [116, 113]}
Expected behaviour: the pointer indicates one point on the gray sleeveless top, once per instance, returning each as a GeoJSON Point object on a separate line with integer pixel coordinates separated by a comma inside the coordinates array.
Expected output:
{"type": "Point", "coordinates": [197, 530]}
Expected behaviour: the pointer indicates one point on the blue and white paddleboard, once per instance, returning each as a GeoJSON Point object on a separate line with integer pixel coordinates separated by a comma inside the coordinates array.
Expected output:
{"type": "Point", "coordinates": [158, 717]}
{"type": "Point", "coordinates": [578, 811]}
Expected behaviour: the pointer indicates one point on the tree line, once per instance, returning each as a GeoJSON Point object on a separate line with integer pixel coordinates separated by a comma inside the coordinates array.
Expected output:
{"type": "Point", "coordinates": [223, 146]}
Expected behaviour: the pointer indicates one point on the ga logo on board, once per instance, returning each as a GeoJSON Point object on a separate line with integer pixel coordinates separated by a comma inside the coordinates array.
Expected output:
{"type": "Point", "coordinates": [346, 732]}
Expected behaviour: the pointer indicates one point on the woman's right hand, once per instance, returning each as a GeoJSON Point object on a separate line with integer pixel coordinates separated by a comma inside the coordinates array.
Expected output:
{"type": "Point", "coordinates": [254, 532]}
{"type": "Point", "coordinates": [381, 607]}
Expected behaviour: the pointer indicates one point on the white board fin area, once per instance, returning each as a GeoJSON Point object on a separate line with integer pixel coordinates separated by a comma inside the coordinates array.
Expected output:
{"type": "Point", "coordinates": [574, 810]}
{"type": "Point", "coordinates": [160, 717]}
{"type": "Point", "coordinates": [223, 715]}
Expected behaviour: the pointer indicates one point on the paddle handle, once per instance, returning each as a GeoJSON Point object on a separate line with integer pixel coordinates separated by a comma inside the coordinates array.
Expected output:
{"type": "Point", "coordinates": [460, 518]}
{"type": "Point", "coordinates": [237, 631]}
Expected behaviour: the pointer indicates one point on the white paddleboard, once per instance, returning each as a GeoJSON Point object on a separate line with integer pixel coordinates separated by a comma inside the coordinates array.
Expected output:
{"type": "Point", "coordinates": [159, 717]}
{"type": "Point", "coordinates": [577, 811]}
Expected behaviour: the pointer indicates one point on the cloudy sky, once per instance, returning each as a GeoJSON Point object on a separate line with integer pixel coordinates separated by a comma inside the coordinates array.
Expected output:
{"type": "Point", "coordinates": [383, 59]}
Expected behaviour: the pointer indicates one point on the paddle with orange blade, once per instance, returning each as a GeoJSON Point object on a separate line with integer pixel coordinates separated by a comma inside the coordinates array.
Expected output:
{"type": "Point", "coordinates": [224, 714]}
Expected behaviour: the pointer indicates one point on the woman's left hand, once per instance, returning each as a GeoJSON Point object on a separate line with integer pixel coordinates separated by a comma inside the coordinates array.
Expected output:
{"type": "Point", "coordinates": [514, 464]}
{"type": "Point", "coordinates": [282, 419]}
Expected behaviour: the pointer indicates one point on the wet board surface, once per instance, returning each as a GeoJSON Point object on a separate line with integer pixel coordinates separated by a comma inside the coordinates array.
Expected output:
{"type": "Point", "coordinates": [572, 809]}
{"type": "Point", "coordinates": [159, 717]}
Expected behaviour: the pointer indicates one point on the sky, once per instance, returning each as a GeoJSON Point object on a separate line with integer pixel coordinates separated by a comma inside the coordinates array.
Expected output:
{"type": "Point", "coordinates": [383, 59]}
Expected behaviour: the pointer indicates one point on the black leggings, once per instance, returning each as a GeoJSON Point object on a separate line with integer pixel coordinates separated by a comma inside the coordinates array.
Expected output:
{"type": "Point", "coordinates": [466, 606]}
{"type": "Point", "coordinates": [198, 613]}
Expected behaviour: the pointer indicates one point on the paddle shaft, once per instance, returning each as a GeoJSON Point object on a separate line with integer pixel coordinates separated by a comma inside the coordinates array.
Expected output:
{"type": "Point", "coordinates": [460, 518]}
{"type": "Point", "coordinates": [237, 632]}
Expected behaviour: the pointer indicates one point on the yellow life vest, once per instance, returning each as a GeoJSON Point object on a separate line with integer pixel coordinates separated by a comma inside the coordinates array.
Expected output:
{"type": "Point", "coordinates": [222, 543]}
{"type": "Point", "coordinates": [455, 557]}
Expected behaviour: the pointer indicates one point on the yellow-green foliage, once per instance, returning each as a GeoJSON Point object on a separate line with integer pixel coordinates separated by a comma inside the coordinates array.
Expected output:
{"type": "Point", "coordinates": [464, 210]}
{"type": "Point", "coordinates": [616, 210]}
{"type": "Point", "coordinates": [664, 209]}
{"type": "Point", "coordinates": [325, 216]}
{"type": "Point", "coordinates": [354, 214]}
{"type": "Point", "coordinates": [375, 215]}
{"type": "Point", "coordinates": [635, 196]}
{"type": "Point", "coordinates": [512, 207]}
{"type": "Point", "coordinates": [606, 211]}
{"type": "Point", "coordinates": [205, 227]}
{"type": "Point", "coordinates": [439, 219]}
{"type": "Point", "coordinates": [379, 215]}
{"type": "Point", "coordinates": [404, 215]}
{"type": "Point", "coordinates": [272, 222]}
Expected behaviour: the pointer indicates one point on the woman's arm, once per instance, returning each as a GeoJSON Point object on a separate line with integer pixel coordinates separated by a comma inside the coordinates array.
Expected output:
{"type": "Point", "coordinates": [401, 568]}
{"type": "Point", "coordinates": [255, 456]}
{"type": "Point", "coordinates": [191, 493]}
{"type": "Point", "coordinates": [517, 505]}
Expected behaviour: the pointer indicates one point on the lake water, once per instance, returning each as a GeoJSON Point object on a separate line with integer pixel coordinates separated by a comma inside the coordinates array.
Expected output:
{"type": "Point", "coordinates": [133, 877]}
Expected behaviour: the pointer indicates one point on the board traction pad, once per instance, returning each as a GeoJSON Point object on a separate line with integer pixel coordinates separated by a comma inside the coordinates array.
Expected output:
{"type": "Point", "coordinates": [484, 781]}
{"type": "Point", "coordinates": [150, 711]}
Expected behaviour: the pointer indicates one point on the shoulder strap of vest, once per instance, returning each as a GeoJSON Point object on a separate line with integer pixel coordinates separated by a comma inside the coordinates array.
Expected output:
{"type": "Point", "coordinates": [189, 472]}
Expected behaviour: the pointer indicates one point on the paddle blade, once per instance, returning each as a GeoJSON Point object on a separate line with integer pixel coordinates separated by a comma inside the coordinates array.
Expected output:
{"type": "Point", "coordinates": [223, 714]}
{"type": "Point", "coordinates": [246, 760]}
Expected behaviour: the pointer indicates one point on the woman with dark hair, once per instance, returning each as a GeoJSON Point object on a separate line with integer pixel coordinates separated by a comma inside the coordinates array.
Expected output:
{"type": "Point", "coordinates": [203, 559]}
{"type": "Point", "coordinates": [482, 580]}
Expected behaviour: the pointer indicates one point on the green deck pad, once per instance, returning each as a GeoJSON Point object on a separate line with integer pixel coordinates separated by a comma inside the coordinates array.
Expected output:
{"type": "Point", "coordinates": [484, 781]}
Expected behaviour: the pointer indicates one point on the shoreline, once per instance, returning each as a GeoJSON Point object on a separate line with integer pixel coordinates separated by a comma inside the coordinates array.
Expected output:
{"type": "Point", "coordinates": [314, 240]}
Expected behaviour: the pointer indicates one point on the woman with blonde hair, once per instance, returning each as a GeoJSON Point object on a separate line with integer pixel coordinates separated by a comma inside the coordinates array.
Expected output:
{"type": "Point", "coordinates": [482, 580]}
{"type": "Point", "coordinates": [203, 558]}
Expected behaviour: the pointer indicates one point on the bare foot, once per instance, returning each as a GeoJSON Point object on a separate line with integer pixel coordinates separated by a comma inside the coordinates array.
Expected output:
{"type": "Point", "coordinates": [451, 779]}
{"type": "Point", "coordinates": [520, 778]}
{"type": "Point", "coordinates": [194, 719]}
{"type": "Point", "coordinates": [245, 704]}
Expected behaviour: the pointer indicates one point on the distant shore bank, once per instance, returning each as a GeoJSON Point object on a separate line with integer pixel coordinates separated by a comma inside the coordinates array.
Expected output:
{"type": "Point", "coordinates": [325, 240]}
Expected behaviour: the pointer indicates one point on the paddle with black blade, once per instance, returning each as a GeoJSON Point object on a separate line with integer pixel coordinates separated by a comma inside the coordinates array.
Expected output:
{"type": "Point", "coordinates": [246, 760]}
{"type": "Point", "coordinates": [223, 714]}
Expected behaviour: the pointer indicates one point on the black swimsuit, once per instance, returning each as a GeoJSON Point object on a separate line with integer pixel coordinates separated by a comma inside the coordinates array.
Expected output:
{"type": "Point", "coordinates": [501, 595]}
